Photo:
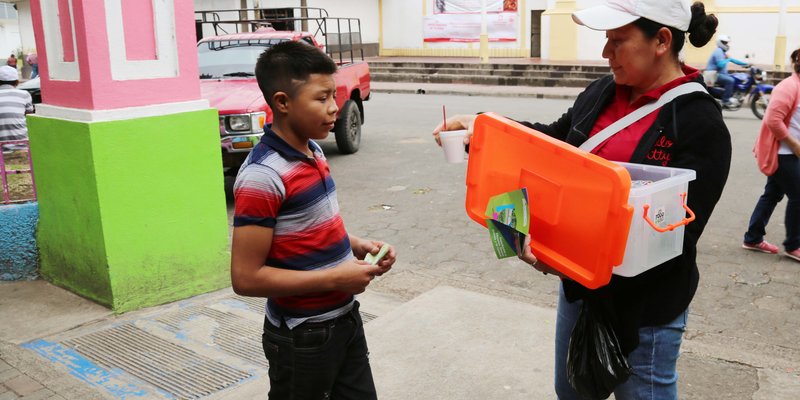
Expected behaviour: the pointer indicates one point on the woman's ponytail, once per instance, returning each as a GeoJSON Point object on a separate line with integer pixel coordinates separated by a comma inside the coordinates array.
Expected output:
{"type": "Point", "coordinates": [796, 61]}
{"type": "Point", "coordinates": [702, 27]}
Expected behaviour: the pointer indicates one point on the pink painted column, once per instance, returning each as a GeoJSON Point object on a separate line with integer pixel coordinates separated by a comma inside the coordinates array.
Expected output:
{"type": "Point", "coordinates": [107, 54]}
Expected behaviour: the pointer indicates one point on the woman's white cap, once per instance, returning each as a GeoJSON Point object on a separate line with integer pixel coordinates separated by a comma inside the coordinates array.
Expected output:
{"type": "Point", "coordinates": [617, 13]}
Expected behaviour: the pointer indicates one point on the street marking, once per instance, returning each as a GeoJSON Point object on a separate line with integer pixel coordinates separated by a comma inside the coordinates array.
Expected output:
{"type": "Point", "coordinates": [87, 371]}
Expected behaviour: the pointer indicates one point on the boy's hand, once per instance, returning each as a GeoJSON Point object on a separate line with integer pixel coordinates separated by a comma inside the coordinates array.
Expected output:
{"type": "Point", "coordinates": [387, 261]}
{"type": "Point", "coordinates": [354, 276]}
{"type": "Point", "coordinates": [364, 246]}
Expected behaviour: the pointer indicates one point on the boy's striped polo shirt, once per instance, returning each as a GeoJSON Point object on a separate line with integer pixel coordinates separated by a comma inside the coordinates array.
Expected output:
{"type": "Point", "coordinates": [281, 188]}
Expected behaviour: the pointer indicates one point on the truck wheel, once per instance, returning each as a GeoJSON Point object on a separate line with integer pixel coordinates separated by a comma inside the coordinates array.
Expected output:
{"type": "Point", "coordinates": [348, 128]}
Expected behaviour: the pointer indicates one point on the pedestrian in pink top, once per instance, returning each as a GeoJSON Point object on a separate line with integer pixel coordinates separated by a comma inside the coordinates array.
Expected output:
{"type": "Point", "coordinates": [33, 61]}
{"type": "Point", "coordinates": [777, 149]}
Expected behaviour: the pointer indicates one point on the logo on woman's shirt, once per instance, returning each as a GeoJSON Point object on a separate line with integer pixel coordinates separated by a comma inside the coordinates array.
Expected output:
{"type": "Point", "coordinates": [660, 151]}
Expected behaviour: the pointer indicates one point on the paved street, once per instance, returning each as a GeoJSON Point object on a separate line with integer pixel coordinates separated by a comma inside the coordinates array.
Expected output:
{"type": "Point", "coordinates": [449, 322]}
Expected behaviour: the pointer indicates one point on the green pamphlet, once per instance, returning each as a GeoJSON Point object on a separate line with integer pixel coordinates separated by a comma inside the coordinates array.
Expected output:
{"type": "Point", "coordinates": [508, 220]}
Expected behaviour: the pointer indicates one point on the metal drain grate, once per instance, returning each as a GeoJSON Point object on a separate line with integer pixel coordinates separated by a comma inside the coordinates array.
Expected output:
{"type": "Point", "coordinates": [256, 304]}
{"type": "Point", "coordinates": [234, 335]}
{"type": "Point", "coordinates": [178, 371]}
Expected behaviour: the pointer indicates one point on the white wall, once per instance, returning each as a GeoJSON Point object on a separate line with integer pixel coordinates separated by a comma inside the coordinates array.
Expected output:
{"type": "Point", "coordinates": [10, 40]}
{"type": "Point", "coordinates": [219, 4]}
{"type": "Point", "coordinates": [402, 24]}
{"type": "Point", "coordinates": [25, 19]}
{"type": "Point", "coordinates": [366, 10]}
{"type": "Point", "coordinates": [751, 3]}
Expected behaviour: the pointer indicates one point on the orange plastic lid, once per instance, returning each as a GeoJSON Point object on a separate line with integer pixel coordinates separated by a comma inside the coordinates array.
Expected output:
{"type": "Point", "coordinates": [578, 202]}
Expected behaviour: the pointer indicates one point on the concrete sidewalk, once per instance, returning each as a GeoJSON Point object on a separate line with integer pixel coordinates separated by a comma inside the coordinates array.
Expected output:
{"type": "Point", "coordinates": [447, 343]}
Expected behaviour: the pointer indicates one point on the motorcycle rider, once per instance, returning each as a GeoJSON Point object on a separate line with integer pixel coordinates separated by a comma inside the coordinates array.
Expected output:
{"type": "Point", "coordinates": [718, 62]}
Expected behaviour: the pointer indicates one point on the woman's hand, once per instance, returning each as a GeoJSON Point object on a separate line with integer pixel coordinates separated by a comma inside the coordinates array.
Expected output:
{"type": "Point", "coordinates": [527, 255]}
{"type": "Point", "coordinates": [453, 124]}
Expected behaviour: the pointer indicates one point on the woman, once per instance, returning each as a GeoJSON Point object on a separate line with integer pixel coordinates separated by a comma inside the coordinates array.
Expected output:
{"type": "Point", "coordinates": [645, 38]}
{"type": "Point", "coordinates": [777, 148]}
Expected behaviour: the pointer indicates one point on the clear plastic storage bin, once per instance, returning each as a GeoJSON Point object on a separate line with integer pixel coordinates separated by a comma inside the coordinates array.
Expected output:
{"type": "Point", "coordinates": [659, 216]}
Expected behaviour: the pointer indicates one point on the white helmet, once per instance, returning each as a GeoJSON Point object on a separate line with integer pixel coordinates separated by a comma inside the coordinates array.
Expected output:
{"type": "Point", "coordinates": [722, 42]}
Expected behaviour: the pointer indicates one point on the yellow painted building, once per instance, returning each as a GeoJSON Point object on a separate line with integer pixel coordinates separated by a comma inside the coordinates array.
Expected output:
{"type": "Point", "coordinates": [546, 30]}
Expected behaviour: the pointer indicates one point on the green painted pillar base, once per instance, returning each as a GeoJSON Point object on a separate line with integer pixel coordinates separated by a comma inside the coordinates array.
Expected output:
{"type": "Point", "coordinates": [132, 212]}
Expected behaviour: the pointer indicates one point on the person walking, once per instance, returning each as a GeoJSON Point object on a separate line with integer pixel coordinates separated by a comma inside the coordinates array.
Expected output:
{"type": "Point", "coordinates": [644, 40]}
{"type": "Point", "coordinates": [777, 149]}
{"type": "Point", "coordinates": [33, 60]}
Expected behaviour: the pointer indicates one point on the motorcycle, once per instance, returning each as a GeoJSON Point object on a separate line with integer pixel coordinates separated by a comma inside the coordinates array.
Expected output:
{"type": "Point", "coordinates": [750, 85]}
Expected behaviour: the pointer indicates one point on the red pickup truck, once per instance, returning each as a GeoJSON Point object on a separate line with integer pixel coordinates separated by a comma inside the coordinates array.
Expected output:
{"type": "Point", "coordinates": [227, 81]}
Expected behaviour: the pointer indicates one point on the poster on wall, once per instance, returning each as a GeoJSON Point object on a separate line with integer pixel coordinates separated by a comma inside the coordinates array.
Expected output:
{"type": "Point", "coordinates": [460, 21]}
{"type": "Point", "coordinates": [502, 27]}
{"type": "Point", "coordinates": [473, 6]}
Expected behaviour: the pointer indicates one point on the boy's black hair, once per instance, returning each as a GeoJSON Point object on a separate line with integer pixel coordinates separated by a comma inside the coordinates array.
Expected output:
{"type": "Point", "coordinates": [280, 67]}
{"type": "Point", "coordinates": [12, 83]}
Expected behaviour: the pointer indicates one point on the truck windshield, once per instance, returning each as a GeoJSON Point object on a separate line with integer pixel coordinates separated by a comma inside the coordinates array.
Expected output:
{"type": "Point", "coordinates": [231, 58]}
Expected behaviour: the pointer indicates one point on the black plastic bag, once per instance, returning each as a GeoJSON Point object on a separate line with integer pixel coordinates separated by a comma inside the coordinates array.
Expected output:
{"type": "Point", "coordinates": [595, 363]}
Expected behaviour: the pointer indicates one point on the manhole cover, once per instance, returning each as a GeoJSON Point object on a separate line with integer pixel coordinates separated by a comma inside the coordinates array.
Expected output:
{"type": "Point", "coordinates": [180, 372]}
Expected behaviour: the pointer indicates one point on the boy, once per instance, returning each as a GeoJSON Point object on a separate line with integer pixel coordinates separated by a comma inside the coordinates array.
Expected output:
{"type": "Point", "coordinates": [289, 241]}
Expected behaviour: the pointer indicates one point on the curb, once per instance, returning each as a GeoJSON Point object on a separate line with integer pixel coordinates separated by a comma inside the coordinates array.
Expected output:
{"type": "Point", "coordinates": [463, 93]}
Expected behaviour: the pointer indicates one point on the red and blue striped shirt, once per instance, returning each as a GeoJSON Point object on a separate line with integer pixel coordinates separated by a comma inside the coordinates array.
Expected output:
{"type": "Point", "coordinates": [281, 188]}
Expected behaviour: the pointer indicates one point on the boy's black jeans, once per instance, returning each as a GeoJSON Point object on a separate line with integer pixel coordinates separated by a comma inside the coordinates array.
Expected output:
{"type": "Point", "coordinates": [319, 360]}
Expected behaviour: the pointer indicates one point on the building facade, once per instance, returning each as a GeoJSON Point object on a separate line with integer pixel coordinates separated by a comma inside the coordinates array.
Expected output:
{"type": "Point", "coordinates": [530, 28]}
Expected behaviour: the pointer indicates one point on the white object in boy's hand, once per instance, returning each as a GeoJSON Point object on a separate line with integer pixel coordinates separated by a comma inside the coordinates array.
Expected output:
{"type": "Point", "coordinates": [373, 259]}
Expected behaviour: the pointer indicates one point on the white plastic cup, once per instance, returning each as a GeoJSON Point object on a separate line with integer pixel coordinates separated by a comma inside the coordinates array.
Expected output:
{"type": "Point", "coordinates": [453, 145]}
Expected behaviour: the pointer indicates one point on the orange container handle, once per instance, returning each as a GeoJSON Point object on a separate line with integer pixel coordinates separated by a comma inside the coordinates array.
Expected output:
{"type": "Point", "coordinates": [683, 222]}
